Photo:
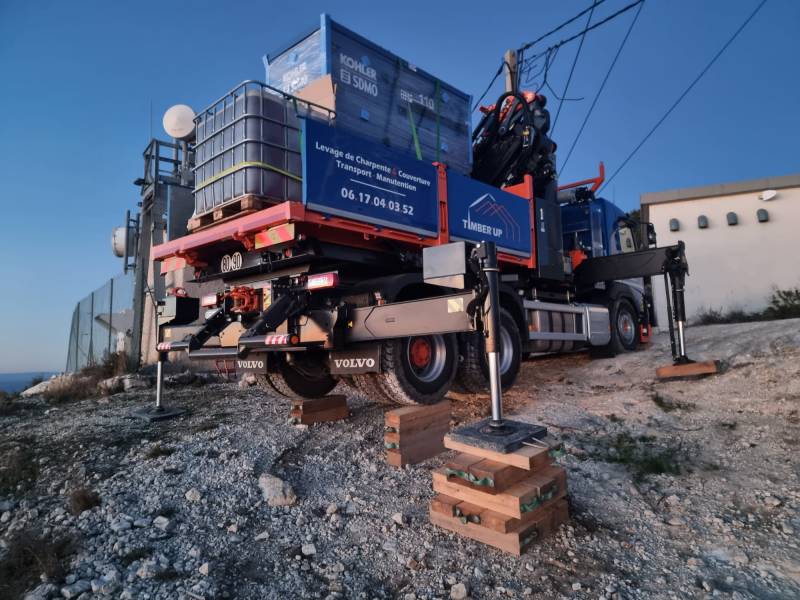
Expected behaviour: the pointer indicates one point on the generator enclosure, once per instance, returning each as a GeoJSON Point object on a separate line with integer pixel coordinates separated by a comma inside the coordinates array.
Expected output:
{"type": "Point", "coordinates": [378, 95]}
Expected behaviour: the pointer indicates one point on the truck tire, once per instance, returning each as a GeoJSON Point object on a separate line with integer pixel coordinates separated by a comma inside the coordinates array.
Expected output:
{"type": "Point", "coordinates": [307, 378]}
{"type": "Point", "coordinates": [368, 386]}
{"type": "Point", "coordinates": [624, 331]}
{"type": "Point", "coordinates": [418, 369]}
{"type": "Point", "coordinates": [473, 368]}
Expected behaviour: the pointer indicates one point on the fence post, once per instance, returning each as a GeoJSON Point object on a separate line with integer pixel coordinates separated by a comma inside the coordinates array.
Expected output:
{"type": "Point", "coordinates": [77, 334]}
{"type": "Point", "coordinates": [91, 331]}
{"type": "Point", "coordinates": [110, 312]}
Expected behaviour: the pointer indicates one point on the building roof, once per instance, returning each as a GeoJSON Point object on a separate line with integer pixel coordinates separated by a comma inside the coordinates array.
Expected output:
{"type": "Point", "coordinates": [721, 189]}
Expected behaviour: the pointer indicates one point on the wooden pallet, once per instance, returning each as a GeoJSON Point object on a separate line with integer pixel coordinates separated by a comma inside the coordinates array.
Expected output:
{"type": "Point", "coordinates": [319, 410]}
{"type": "Point", "coordinates": [507, 501]}
{"type": "Point", "coordinates": [232, 209]}
{"type": "Point", "coordinates": [415, 433]}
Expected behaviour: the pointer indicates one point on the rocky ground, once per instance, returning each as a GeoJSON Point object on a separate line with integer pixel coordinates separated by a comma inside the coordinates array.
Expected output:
{"type": "Point", "coordinates": [678, 490]}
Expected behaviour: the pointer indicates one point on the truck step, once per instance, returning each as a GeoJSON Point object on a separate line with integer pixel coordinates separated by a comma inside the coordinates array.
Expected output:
{"type": "Point", "coordinates": [415, 433]}
{"type": "Point", "coordinates": [238, 207]}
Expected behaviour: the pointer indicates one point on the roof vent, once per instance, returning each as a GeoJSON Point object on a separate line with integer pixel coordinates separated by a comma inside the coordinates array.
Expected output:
{"type": "Point", "coordinates": [762, 215]}
{"type": "Point", "coordinates": [732, 219]}
{"type": "Point", "coordinates": [702, 222]}
{"type": "Point", "coordinates": [674, 225]}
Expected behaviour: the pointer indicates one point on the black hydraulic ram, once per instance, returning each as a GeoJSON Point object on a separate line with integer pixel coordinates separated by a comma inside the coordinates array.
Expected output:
{"type": "Point", "coordinates": [669, 261]}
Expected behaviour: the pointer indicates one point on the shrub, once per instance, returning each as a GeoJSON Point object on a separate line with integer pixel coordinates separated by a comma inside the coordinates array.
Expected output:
{"type": "Point", "coordinates": [17, 467]}
{"type": "Point", "coordinates": [28, 555]}
{"type": "Point", "coordinates": [112, 364]}
{"type": "Point", "coordinates": [71, 387]}
{"type": "Point", "coordinates": [784, 304]}
{"type": "Point", "coordinates": [82, 499]}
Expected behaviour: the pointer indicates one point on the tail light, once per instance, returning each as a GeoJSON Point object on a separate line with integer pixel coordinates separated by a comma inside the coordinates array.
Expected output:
{"type": "Point", "coordinates": [322, 280]}
{"type": "Point", "coordinates": [209, 300]}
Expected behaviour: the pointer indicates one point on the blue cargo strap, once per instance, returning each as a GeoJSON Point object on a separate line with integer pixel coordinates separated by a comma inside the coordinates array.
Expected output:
{"type": "Point", "coordinates": [243, 165]}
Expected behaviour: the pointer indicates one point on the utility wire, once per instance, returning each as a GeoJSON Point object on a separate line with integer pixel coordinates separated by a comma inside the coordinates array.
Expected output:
{"type": "Point", "coordinates": [586, 30]}
{"type": "Point", "coordinates": [572, 69]}
{"type": "Point", "coordinates": [503, 63]}
{"type": "Point", "coordinates": [602, 85]}
{"type": "Point", "coordinates": [686, 91]}
{"type": "Point", "coordinates": [560, 27]}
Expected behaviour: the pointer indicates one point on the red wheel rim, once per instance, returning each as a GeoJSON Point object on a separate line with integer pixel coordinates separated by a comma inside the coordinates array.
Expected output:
{"type": "Point", "coordinates": [420, 352]}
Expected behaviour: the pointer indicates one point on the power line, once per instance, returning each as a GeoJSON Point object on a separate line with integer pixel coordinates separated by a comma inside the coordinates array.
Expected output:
{"type": "Point", "coordinates": [503, 63]}
{"type": "Point", "coordinates": [686, 91]}
{"type": "Point", "coordinates": [572, 68]}
{"type": "Point", "coordinates": [603, 84]}
{"type": "Point", "coordinates": [560, 27]}
{"type": "Point", "coordinates": [586, 30]}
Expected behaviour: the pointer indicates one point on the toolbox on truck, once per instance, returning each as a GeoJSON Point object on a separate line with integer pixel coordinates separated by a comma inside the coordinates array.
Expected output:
{"type": "Point", "coordinates": [377, 94]}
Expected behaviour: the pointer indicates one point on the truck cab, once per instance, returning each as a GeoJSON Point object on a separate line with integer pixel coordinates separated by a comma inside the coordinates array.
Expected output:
{"type": "Point", "coordinates": [595, 227]}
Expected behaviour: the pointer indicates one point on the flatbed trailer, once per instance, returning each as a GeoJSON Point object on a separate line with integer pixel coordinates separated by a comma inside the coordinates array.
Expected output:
{"type": "Point", "coordinates": [323, 288]}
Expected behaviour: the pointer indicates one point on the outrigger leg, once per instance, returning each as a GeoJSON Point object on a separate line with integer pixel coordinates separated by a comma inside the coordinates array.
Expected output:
{"type": "Point", "coordinates": [682, 365]}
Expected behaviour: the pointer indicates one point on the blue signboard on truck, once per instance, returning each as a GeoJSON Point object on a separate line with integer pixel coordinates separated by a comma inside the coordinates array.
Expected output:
{"type": "Point", "coordinates": [348, 176]}
{"type": "Point", "coordinates": [479, 212]}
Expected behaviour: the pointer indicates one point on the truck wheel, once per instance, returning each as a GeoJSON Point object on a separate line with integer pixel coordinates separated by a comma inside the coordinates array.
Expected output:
{"type": "Point", "coordinates": [305, 378]}
{"type": "Point", "coordinates": [473, 369]}
{"type": "Point", "coordinates": [624, 331]}
{"type": "Point", "coordinates": [369, 387]}
{"type": "Point", "coordinates": [418, 369]}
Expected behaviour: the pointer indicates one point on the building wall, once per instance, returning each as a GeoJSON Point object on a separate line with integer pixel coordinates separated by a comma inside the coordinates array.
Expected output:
{"type": "Point", "coordinates": [732, 267]}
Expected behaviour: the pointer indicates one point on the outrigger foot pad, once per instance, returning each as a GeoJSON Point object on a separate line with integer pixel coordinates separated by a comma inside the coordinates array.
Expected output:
{"type": "Point", "coordinates": [688, 368]}
{"type": "Point", "coordinates": [157, 413]}
{"type": "Point", "coordinates": [508, 437]}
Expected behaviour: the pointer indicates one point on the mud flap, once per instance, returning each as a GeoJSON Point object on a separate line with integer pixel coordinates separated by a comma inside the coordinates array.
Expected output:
{"type": "Point", "coordinates": [356, 360]}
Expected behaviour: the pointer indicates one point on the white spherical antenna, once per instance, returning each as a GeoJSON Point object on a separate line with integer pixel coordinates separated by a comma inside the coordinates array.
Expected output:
{"type": "Point", "coordinates": [178, 122]}
{"type": "Point", "coordinates": [119, 241]}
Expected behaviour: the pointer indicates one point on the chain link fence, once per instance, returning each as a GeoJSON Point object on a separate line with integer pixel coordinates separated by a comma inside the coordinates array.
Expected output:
{"type": "Point", "coordinates": [102, 324]}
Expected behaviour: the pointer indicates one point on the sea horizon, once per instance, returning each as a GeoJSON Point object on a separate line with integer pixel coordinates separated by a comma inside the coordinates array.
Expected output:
{"type": "Point", "coordinates": [13, 383]}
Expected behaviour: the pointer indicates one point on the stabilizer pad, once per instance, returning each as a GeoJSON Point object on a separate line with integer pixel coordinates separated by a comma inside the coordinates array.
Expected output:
{"type": "Point", "coordinates": [690, 369]}
{"type": "Point", "coordinates": [504, 440]}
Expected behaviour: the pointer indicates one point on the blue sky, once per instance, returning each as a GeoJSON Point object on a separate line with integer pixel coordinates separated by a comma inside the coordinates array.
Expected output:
{"type": "Point", "coordinates": [78, 80]}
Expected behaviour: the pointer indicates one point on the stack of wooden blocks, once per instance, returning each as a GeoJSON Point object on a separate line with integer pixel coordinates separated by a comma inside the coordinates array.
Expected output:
{"type": "Point", "coordinates": [319, 410]}
{"type": "Point", "coordinates": [508, 501]}
{"type": "Point", "coordinates": [415, 433]}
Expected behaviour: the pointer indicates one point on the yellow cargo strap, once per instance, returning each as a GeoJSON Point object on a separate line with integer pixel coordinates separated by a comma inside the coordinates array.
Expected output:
{"type": "Point", "coordinates": [242, 165]}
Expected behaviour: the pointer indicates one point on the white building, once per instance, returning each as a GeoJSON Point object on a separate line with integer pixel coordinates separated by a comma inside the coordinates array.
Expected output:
{"type": "Point", "coordinates": [742, 241]}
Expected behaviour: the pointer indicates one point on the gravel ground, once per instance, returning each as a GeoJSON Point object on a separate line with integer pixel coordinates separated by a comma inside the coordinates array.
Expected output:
{"type": "Point", "coordinates": [678, 490]}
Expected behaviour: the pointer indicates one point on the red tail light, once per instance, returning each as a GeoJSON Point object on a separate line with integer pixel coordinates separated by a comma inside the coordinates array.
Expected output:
{"type": "Point", "coordinates": [322, 280]}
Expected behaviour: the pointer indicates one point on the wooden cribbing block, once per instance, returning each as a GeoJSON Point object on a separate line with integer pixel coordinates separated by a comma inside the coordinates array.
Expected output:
{"type": "Point", "coordinates": [484, 474]}
{"type": "Point", "coordinates": [560, 512]}
{"type": "Point", "coordinates": [515, 501]}
{"type": "Point", "coordinates": [328, 408]}
{"type": "Point", "coordinates": [513, 542]}
{"type": "Point", "coordinates": [414, 433]}
{"type": "Point", "coordinates": [530, 458]}
{"type": "Point", "coordinates": [693, 369]}
{"type": "Point", "coordinates": [412, 414]}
